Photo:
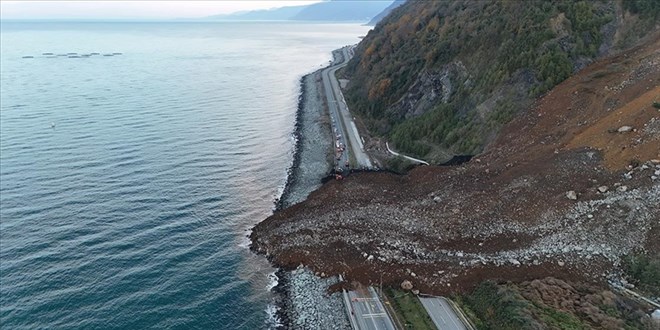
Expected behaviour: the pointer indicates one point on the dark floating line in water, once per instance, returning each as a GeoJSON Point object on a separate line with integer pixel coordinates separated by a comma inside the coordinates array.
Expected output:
{"type": "Point", "coordinates": [73, 55]}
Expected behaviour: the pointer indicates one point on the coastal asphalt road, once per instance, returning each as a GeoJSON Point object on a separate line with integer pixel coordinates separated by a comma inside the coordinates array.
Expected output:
{"type": "Point", "coordinates": [442, 314]}
{"type": "Point", "coordinates": [339, 136]}
{"type": "Point", "coordinates": [367, 311]}
{"type": "Point", "coordinates": [342, 121]}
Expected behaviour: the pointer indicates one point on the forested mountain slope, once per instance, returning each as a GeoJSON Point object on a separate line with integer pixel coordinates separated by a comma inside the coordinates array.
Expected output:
{"type": "Point", "coordinates": [438, 76]}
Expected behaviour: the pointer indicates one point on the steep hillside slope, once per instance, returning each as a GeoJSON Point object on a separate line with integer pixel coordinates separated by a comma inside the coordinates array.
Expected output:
{"type": "Point", "coordinates": [446, 75]}
{"type": "Point", "coordinates": [569, 189]}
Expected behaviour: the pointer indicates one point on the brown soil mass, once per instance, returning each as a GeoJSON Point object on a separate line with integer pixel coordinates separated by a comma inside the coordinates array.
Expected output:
{"type": "Point", "coordinates": [505, 214]}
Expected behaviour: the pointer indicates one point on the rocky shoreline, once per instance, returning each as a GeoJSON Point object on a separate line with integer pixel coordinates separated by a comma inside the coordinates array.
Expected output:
{"type": "Point", "coordinates": [313, 152]}
{"type": "Point", "coordinates": [302, 299]}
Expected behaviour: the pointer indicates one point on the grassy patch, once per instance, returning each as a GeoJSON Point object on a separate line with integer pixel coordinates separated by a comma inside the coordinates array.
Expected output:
{"type": "Point", "coordinates": [644, 272]}
{"type": "Point", "coordinates": [492, 306]}
{"type": "Point", "coordinates": [469, 313]}
{"type": "Point", "coordinates": [498, 307]}
{"type": "Point", "coordinates": [409, 309]}
{"type": "Point", "coordinates": [555, 319]}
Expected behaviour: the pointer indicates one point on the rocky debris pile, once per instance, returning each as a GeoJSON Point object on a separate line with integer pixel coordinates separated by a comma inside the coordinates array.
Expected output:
{"type": "Point", "coordinates": [311, 307]}
{"type": "Point", "coordinates": [648, 66]}
{"type": "Point", "coordinates": [652, 127]}
{"type": "Point", "coordinates": [597, 230]}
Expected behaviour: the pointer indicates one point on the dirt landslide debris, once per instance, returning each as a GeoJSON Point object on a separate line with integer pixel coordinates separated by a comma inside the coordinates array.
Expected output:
{"type": "Point", "coordinates": [561, 192]}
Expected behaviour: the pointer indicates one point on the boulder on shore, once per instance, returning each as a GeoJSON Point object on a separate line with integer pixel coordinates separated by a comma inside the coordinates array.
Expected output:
{"type": "Point", "coordinates": [572, 195]}
{"type": "Point", "coordinates": [406, 285]}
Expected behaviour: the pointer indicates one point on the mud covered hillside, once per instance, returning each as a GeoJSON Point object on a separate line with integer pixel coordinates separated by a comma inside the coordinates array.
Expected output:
{"type": "Point", "coordinates": [569, 189]}
{"type": "Point", "coordinates": [437, 78]}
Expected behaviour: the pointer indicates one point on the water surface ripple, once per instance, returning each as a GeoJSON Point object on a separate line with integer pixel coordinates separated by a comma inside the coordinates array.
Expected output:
{"type": "Point", "coordinates": [128, 181]}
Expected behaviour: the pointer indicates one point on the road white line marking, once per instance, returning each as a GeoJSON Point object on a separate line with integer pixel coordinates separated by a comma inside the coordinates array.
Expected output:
{"type": "Point", "coordinates": [439, 315]}
{"type": "Point", "coordinates": [452, 319]}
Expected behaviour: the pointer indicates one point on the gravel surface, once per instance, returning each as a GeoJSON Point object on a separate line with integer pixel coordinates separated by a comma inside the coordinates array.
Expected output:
{"type": "Point", "coordinates": [311, 307]}
{"type": "Point", "coordinates": [304, 301]}
{"type": "Point", "coordinates": [313, 154]}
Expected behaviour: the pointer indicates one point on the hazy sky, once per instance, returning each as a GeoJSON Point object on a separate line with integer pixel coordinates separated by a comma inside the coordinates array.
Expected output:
{"type": "Point", "coordinates": [131, 9]}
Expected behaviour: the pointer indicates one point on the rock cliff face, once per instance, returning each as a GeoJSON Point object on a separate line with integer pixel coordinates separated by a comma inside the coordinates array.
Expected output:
{"type": "Point", "coordinates": [430, 88]}
{"type": "Point", "coordinates": [566, 190]}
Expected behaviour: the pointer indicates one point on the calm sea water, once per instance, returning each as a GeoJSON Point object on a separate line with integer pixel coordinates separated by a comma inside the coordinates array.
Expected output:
{"type": "Point", "coordinates": [128, 182]}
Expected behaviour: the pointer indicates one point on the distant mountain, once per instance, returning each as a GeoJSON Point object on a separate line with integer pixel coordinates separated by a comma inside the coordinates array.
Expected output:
{"type": "Point", "coordinates": [329, 11]}
{"type": "Point", "coordinates": [342, 10]}
{"type": "Point", "coordinates": [276, 14]}
{"type": "Point", "coordinates": [386, 12]}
